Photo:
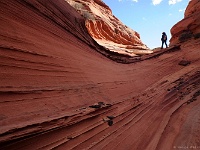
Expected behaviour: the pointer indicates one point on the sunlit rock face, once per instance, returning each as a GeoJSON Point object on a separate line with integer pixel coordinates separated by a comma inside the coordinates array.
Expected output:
{"type": "Point", "coordinates": [105, 28]}
{"type": "Point", "coordinates": [189, 27]}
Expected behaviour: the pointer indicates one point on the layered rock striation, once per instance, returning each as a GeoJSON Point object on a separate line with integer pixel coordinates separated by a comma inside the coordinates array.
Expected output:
{"type": "Point", "coordinates": [106, 29]}
{"type": "Point", "coordinates": [189, 27]}
{"type": "Point", "coordinates": [57, 90]}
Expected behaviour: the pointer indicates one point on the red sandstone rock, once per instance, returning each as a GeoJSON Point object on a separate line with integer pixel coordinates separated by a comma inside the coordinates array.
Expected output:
{"type": "Point", "coordinates": [105, 28]}
{"type": "Point", "coordinates": [52, 71]}
{"type": "Point", "coordinates": [189, 27]}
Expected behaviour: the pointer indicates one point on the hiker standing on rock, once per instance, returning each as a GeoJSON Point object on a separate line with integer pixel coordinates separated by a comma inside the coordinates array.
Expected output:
{"type": "Point", "coordinates": [164, 39]}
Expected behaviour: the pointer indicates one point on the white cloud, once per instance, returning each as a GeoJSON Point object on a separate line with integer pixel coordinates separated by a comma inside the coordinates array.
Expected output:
{"type": "Point", "coordinates": [128, 0]}
{"type": "Point", "coordinates": [143, 18]}
{"type": "Point", "coordinates": [156, 2]}
{"type": "Point", "coordinates": [180, 10]}
{"type": "Point", "coordinates": [172, 2]}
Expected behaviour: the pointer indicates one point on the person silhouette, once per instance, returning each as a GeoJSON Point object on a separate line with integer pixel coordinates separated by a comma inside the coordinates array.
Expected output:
{"type": "Point", "coordinates": [164, 40]}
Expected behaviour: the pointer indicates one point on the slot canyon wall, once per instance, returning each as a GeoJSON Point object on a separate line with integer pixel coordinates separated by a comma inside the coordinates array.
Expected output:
{"type": "Point", "coordinates": [106, 29]}
{"type": "Point", "coordinates": [60, 89]}
{"type": "Point", "coordinates": [189, 27]}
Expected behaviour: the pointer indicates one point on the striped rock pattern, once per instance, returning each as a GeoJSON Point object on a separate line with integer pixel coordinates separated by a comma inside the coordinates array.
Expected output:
{"type": "Point", "coordinates": [57, 90]}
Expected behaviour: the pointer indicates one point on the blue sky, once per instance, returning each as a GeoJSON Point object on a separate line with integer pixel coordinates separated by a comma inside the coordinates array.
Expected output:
{"type": "Point", "coordinates": [149, 17]}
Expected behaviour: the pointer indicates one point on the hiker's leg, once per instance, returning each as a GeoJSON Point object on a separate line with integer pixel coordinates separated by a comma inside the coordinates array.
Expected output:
{"type": "Point", "coordinates": [162, 44]}
{"type": "Point", "coordinates": [166, 44]}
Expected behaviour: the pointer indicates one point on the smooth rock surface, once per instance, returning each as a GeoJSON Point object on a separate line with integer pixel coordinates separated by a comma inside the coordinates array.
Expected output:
{"type": "Point", "coordinates": [189, 27]}
{"type": "Point", "coordinates": [52, 71]}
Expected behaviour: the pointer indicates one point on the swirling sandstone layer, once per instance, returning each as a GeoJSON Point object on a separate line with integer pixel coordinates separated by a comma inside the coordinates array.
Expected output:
{"type": "Point", "coordinates": [106, 29]}
{"type": "Point", "coordinates": [189, 27]}
{"type": "Point", "coordinates": [58, 92]}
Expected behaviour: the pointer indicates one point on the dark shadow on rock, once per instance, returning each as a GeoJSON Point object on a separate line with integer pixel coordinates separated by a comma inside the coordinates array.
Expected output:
{"type": "Point", "coordinates": [184, 62]}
